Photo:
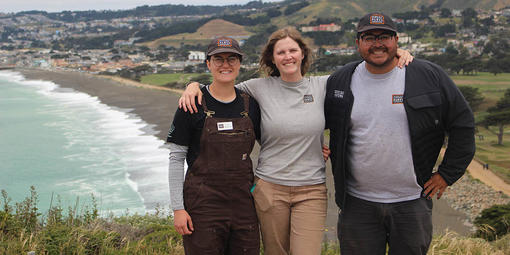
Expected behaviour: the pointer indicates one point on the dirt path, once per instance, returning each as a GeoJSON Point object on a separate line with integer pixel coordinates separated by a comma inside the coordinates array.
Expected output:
{"type": "Point", "coordinates": [488, 177]}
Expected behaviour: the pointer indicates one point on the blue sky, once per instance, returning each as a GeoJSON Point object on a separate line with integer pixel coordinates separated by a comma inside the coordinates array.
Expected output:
{"type": "Point", "coordinates": [80, 5]}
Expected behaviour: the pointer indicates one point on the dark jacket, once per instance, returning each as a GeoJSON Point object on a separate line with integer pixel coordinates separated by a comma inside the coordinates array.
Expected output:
{"type": "Point", "coordinates": [434, 106]}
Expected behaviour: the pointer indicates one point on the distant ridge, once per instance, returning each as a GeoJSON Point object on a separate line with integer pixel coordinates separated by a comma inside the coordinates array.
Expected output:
{"type": "Point", "coordinates": [323, 8]}
{"type": "Point", "coordinates": [344, 9]}
{"type": "Point", "coordinates": [347, 9]}
{"type": "Point", "coordinates": [205, 33]}
{"type": "Point", "coordinates": [218, 27]}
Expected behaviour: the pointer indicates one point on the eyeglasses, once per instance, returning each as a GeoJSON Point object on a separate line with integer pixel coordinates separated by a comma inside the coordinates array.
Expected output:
{"type": "Point", "coordinates": [370, 38]}
{"type": "Point", "coordinates": [218, 61]}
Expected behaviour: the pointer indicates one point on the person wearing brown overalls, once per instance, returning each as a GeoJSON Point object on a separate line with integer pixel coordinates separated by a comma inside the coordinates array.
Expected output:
{"type": "Point", "coordinates": [213, 206]}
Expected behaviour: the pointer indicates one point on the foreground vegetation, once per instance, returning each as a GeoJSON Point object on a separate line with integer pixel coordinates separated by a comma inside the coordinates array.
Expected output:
{"type": "Point", "coordinates": [23, 229]}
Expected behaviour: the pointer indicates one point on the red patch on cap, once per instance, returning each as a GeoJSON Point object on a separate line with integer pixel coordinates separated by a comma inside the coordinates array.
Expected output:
{"type": "Point", "coordinates": [224, 43]}
{"type": "Point", "coordinates": [377, 19]}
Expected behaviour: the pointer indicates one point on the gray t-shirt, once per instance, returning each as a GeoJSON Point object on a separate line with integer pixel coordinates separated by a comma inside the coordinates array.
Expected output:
{"type": "Point", "coordinates": [379, 151]}
{"type": "Point", "coordinates": [292, 127]}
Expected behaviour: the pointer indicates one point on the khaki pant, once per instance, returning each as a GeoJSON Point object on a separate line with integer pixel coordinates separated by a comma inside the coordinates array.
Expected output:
{"type": "Point", "coordinates": [292, 218]}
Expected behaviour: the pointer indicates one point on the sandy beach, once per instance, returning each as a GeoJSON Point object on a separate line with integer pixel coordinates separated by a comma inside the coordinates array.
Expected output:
{"type": "Point", "coordinates": [157, 107]}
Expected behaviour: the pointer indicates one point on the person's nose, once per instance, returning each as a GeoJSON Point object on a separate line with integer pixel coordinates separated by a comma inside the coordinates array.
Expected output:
{"type": "Point", "coordinates": [377, 41]}
{"type": "Point", "coordinates": [225, 62]}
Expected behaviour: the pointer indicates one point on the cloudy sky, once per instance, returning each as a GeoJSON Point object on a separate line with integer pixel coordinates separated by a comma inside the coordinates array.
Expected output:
{"type": "Point", "coordinates": [80, 5]}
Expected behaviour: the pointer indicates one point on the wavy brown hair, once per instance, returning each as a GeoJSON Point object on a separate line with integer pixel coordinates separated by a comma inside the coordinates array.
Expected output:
{"type": "Point", "coordinates": [266, 59]}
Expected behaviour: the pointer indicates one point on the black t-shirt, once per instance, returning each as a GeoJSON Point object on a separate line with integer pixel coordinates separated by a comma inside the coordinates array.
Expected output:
{"type": "Point", "coordinates": [187, 128]}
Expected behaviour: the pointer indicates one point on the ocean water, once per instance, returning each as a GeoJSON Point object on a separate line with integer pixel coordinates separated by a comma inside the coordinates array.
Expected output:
{"type": "Point", "coordinates": [71, 147]}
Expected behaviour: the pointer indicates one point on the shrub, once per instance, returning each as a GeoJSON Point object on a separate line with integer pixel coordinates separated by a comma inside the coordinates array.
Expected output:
{"type": "Point", "coordinates": [493, 222]}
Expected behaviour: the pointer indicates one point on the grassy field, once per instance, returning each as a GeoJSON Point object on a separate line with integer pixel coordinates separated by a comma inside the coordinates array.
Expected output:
{"type": "Point", "coordinates": [162, 79]}
{"type": "Point", "coordinates": [491, 86]}
{"type": "Point", "coordinates": [497, 156]}
{"type": "Point", "coordinates": [487, 151]}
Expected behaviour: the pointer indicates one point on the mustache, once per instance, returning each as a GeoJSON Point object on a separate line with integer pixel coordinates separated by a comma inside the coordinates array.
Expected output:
{"type": "Point", "coordinates": [371, 50]}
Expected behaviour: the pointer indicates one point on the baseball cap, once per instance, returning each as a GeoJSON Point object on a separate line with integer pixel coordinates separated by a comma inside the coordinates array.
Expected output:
{"type": "Point", "coordinates": [223, 44]}
{"type": "Point", "coordinates": [376, 20]}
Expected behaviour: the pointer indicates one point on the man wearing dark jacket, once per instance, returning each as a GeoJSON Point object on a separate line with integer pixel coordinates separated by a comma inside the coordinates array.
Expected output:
{"type": "Point", "coordinates": [387, 128]}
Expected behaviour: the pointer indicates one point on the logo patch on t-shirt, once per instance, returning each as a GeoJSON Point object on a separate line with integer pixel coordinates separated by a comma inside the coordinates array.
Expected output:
{"type": "Point", "coordinates": [308, 98]}
{"type": "Point", "coordinates": [397, 99]}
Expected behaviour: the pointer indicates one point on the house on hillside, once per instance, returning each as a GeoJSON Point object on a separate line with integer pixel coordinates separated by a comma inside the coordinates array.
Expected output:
{"type": "Point", "coordinates": [196, 56]}
{"type": "Point", "coordinates": [506, 12]}
{"type": "Point", "coordinates": [456, 13]}
{"type": "Point", "coordinates": [404, 38]}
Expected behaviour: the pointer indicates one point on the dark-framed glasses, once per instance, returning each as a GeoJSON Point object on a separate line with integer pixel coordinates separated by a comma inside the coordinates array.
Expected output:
{"type": "Point", "coordinates": [231, 60]}
{"type": "Point", "coordinates": [382, 38]}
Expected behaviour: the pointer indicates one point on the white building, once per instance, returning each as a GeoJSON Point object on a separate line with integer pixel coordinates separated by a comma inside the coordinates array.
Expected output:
{"type": "Point", "coordinates": [404, 38]}
{"type": "Point", "coordinates": [196, 55]}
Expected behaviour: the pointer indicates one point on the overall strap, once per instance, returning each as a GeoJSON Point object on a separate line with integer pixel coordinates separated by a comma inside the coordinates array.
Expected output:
{"type": "Point", "coordinates": [206, 110]}
{"type": "Point", "coordinates": [246, 100]}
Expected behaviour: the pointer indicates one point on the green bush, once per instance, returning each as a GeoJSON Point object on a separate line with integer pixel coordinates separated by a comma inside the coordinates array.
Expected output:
{"type": "Point", "coordinates": [58, 239]}
{"type": "Point", "coordinates": [493, 222]}
{"type": "Point", "coordinates": [162, 238]}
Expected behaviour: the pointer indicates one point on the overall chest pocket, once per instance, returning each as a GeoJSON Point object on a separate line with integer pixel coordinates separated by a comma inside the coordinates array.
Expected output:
{"type": "Point", "coordinates": [424, 111]}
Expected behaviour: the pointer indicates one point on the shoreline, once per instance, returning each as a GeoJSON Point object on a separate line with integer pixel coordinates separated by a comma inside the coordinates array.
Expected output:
{"type": "Point", "coordinates": [154, 105]}
{"type": "Point", "coordinates": [157, 105]}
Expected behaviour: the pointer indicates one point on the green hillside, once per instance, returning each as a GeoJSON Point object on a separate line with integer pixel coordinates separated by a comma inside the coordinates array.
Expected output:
{"type": "Point", "coordinates": [476, 4]}
{"type": "Point", "coordinates": [260, 22]}
{"type": "Point", "coordinates": [347, 9]}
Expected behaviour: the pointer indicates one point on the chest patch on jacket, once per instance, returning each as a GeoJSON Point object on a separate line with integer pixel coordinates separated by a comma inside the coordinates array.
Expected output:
{"type": "Point", "coordinates": [338, 93]}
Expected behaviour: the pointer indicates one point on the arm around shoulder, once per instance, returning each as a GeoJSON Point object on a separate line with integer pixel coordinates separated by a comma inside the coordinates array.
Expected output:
{"type": "Point", "coordinates": [255, 117]}
{"type": "Point", "coordinates": [187, 99]}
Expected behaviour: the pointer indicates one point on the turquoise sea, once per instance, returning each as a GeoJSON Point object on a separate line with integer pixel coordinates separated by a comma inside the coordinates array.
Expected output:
{"type": "Point", "coordinates": [70, 146]}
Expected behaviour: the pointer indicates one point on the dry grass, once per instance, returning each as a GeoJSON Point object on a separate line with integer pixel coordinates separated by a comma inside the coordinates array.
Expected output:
{"type": "Point", "coordinates": [451, 243]}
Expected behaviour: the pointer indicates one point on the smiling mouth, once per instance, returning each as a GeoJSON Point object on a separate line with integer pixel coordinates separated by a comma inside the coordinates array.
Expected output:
{"type": "Point", "coordinates": [225, 72]}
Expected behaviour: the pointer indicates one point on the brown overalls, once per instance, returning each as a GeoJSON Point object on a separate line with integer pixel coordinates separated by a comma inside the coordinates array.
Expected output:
{"type": "Point", "coordinates": [217, 189]}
